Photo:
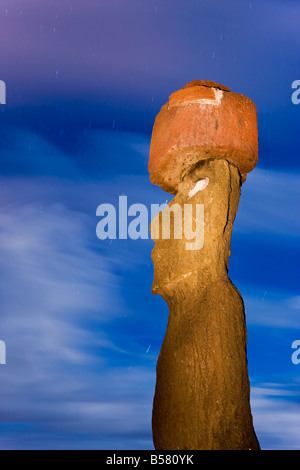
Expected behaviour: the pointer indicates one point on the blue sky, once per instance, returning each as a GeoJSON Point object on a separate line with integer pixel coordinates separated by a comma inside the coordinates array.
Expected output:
{"type": "Point", "coordinates": [85, 81]}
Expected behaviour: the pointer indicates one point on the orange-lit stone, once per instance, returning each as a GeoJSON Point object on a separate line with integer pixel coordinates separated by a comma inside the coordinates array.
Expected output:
{"type": "Point", "coordinates": [202, 120]}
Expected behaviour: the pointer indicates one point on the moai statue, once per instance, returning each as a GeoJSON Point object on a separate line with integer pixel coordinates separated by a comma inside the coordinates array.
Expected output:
{"type": "Point", "coordinates": [204, 142]}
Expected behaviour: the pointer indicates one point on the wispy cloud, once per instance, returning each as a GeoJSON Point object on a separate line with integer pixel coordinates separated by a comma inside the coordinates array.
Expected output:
{"type": "Point", "coordinates": [273, 309]}
{"type": "Point", "coordinates": [77, 314]}
{"type": "Point", "coordinates": [62, 299]}
{"type": "Point", "coordinates": [269, 204]}
{"type": "Point", "coordinates": [276, 411]}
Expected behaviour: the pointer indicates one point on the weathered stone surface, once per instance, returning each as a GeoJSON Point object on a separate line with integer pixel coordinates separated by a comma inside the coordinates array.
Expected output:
{"type": "Point", "coordinates": [202, 120]}
{"type": "Point", "coordinates": [204, 143]}
{"type": "Point", "coordinates": [202, 391]}
{"type": "Point", "coordinates": [208, 83]}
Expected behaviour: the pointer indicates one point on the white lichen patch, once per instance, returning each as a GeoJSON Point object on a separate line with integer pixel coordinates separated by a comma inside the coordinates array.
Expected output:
{"type": "Point", "coordinates": [199, 186]}
{"type": "Point", "coordinates": [216, 101]}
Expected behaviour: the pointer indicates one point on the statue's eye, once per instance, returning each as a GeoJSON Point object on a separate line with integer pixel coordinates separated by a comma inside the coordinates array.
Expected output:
{"type": "Point", "coordinates": [199, 186]}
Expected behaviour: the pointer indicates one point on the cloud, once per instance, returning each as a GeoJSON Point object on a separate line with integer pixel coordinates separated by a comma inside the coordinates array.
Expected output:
{"type": "Point", "coordinates": [77, 314]}
{"type": "Point", "coordinates": [24, 152]}
{"type": "Point", "coordinates": [72, 377]}
{"type": "Point", "coordinates": [54, 292]}
{"type": "Point", "coordinates": [51, 287]}
{"type": "Point", "coordinates": [269, 204]}
{"type": "Point", "coordinates": [95, 154]}
{"type": "Point", "coordinates": [273, 309]}
{"type": "Point", "coordinates": [276, 417]}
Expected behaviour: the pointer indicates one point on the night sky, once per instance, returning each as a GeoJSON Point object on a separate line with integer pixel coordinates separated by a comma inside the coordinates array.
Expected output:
{"type": "Point", "coordinates": [85, 80]}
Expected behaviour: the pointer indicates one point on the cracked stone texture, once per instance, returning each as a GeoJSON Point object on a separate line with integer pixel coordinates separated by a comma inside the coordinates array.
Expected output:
{"type": "Point", "coordinates": [202, 390]}
{"type": "Point", "coordinates": [200, 121]}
